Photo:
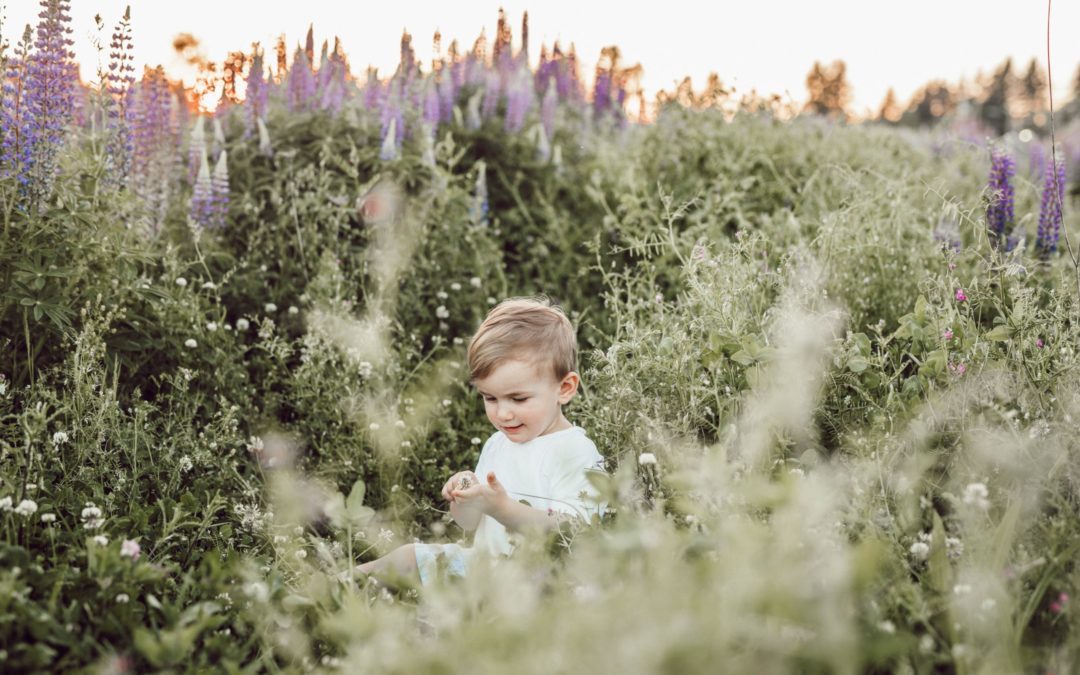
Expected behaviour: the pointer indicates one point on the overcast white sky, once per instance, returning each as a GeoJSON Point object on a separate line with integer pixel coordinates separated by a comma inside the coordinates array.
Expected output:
{"type": "Point", "coordinates": [768, 45]}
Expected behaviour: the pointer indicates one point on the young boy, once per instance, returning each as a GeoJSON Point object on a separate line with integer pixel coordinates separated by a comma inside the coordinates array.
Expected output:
{"type": "Point", "coordinates": [532, 471]}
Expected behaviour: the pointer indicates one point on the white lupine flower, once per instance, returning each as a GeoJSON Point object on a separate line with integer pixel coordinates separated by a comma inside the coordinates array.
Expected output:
{"type": "Point", "coordinates": [646, 458]}
{"type": "Point", "coordinates": [181, 282]}
{"type": "Point", "coordinates": [476, 282]}
{"type": "Point", "coordinates": [211, 326]}
{"type": "Point", "coordinates": [48, 517]}
{"type": "Point", "coordinates": [920, 550]}
{"type": "Point", "coordinates": [59, 438]}
{"type": "Point", "coordinates": [270, 308]}
{"type": "Point", "coordinates": [190, 343]}
{"type": "Point", "coordinates": [26, 507]}
{"type": "Point", "coordinates": [242, 324]}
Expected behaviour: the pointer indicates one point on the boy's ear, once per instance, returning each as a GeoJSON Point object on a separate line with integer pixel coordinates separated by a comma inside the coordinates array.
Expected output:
{"type": "Point", "coordinates": [568, 387]}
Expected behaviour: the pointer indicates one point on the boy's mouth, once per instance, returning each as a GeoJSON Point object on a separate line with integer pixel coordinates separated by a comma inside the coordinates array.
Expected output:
{"type": "Point", "coordinates": [516, 428]}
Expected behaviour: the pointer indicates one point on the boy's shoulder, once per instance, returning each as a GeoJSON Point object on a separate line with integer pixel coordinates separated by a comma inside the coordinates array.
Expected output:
{"type": "Point", "coordinates": [572, 442]}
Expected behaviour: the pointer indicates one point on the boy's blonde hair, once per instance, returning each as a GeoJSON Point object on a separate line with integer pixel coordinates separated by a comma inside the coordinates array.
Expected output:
{"type": "Point", "coordinates": [529, 329]}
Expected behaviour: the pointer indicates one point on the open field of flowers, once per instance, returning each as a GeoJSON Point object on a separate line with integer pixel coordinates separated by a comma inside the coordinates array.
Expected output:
{"type": "Point", "coordinates": [832, 369]}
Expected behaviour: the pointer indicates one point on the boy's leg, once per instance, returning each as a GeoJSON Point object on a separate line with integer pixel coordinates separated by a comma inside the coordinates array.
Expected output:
{"type": "Point", "coordinates": [401, 562]}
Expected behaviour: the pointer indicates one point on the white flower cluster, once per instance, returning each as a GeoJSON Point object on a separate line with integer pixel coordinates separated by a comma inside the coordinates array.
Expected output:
{"type": "Point", "coordinates": [441, 312]}
{"type": "Point", "coordinates": [26, 507]}
{"type": "Point", "coordinates": [242, 324]}
{"type": "Point", "coordinates": [59, 438]}
{"type": "Point", "coordinates": [91, 517]}
{"type": "Point", "coordinates": [920, 550]}
{"type": "Point", "coordinates": [977, 495]}
{"type": "Point", "coordinates": [646, 459]}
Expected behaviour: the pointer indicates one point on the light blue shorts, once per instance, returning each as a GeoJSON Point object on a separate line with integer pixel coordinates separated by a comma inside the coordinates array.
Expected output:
{"type": "Point", "coordinates": [441, 561]}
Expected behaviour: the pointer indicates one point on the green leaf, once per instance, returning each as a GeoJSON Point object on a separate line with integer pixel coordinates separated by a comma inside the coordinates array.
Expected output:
{"type": "Point", "coordinates": [999, 334]}
{"type": "Point", "coordinates": [857, 364]}
{"type": "Point", "coordinates": [938, 562]}
{"type": "Point", "coordinates": [742, 358]}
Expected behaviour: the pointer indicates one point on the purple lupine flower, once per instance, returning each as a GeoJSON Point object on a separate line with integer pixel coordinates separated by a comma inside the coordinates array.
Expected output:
{"type": "Point", "coordinates": [473, 121]}
{"type": "Point", "coordinates": [373, 90]}
{"type": "Point", "coordinates": [301, 83]}
{"type": "Point", "coordinates": [121, 81]}
{"type": "Point", "coordinates": [432, 108]}
{"type": "Point", "coordinates": [17, 140]}
{"type": "Point", "coordinates": [256, 95]}
{"type": "Point", "coordinates": [219, 191]}
{"type": "Point", "coordinates": [491, 95]}
{"type": "Point", "coordinates": [1000, 211]}
{"type": "Point", "coordinates": [49, 94]}
{"type": "Point", "coordinates": [265, 147]}
{"type": "Point", "coordinates": [202, 195]}
{"type": "Point", "coordinates": [393, 121]}
{"type": "Point", "coordinates": [1050, 212]}
{"type": "Point", "coordinates": [1037, 161]}
{"type": "Point", "coordinates": [156, 141]}
{"type": "Point", "coordinates": [447, 96]}
{"type": "Point", "coordinates": [602, 94]}
{"type": "Point", "coordinates": [519, 98]}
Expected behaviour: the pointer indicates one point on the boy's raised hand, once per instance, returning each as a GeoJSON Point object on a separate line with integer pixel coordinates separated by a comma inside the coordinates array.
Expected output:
{"type": "Point", "coordinates": [482, 495]}
{"type": "Point", "coordinates": [458, 481]}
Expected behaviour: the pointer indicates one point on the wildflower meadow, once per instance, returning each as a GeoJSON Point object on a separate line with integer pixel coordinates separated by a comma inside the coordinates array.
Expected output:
{"type": "Point", "coordinates": [832, 368]}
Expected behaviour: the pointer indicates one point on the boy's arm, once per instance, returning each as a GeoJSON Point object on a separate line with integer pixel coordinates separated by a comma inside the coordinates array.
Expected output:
{"type": "Point", "coordinates": [518, 517]}
{"type": "Point", "coordinates": [466, 516]}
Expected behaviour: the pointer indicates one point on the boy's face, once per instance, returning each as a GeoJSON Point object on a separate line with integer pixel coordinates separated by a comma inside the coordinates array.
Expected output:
{"type": "Point", "coordinates": [524, 403]}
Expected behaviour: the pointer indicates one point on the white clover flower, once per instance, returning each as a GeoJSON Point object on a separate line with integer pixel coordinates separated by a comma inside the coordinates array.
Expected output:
{"type": "Point", "coordinates": [386, 535]}
{"type": "Point", "coordinates": [270, 308]}
{"type": "Point", "coordinates": [442, 295]}
{"type": "Point", "coordinates": [887, 627]}
{"type": "Point", "coordinates": [926, 644]}
{"type": "Point", "coordinates": [91, 517]}
{"type": "Point", "coordinates": [190, 343]}
{"type": "Point", "coordinates": [280, 539]}
{"type": "Point", "coordinates": [5, 504]}
{"type": "Point", "coordinates": [406, 444]}
{"type": "Point", "coordinates": [447, 403]}
{"type": "Point", "coordinates": [458, 341]}
{"type": "Point", "coordinates": [293, 310]}
{"type": "Point", "coordinates": [300, 554]}
{"type": "Point", "coordinates": [976, 494]}
{"type": "Point", "coordinates": [209, 285]}
{"type": "Point", "coordinates": [365, 369]}
{"type": "Point", "coordinates": [101, 540]}
{"type": "Point", "coordinates": [59, 438]}
{"type": "Point", "coordinates": [920, 550]}
{"type": "Point", "coordinates": [954, 548]}
{"type": "Point", "coordinates": [185, 464]}
{"type": "Point", "coordinates": [48, 517]}
{"type": "Point", "coordinates": [646, 459]}
{"type": "Point", "coordinates": [475, 441]}
{"type": "Point", "coordinates": [400, 424]}
{"type": "Point", "coordinates": [374, 426]}
{"type": "Point", "coordinates": [26, 507]}
{"type": "Point", "coordinates": [491, 300]}
{"type": "Point", "coordinates": [242, 324]}
{"type": "Point", "coordinates": [441, 312]}
{"type": "Point", "coordinates": [476, 282]}
{"type": "Point", "coordinates": [122, 598]}
{"type": "Point", "coordinates": [130, 549]}
{"type": "Point", "coordinates": [211, 326]}
{"type": "Point", "coordinates": [181, 282]}
{"type": "Point", "coordinates": [455, 286]}
{"type": "Point", "coordinates": [255, 444]}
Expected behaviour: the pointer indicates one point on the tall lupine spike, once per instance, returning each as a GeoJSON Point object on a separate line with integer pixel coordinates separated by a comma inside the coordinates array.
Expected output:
{"type": "Point", "coordinates": [17, 139]}
{"type": "Point", "coordinates": [373, 90]}
{"type": "Point", "coordinates": [196, 148]}
{"type": "Point", "coordinates": [301, 82]}
{"type": "Point", "coordinates": [49, 94]}
{"type": "Point", "coordinates": [447, 96]}
{"type": "Point", "coordinates": [309, 46]}
{"type": "Point", "coordinates": [120, 82]}
{"type": "Point", "coordinates": [492, 92]}
{"type": "Point", "coordinates": [519, 99]}
{"type": "Point", "coordinates": [155, 144]}
{"type": "Point", "coordinates": [265, 147]}
{"type": "Point", "coordinates": [218, 146]}
{"type": "Point", "coordinates": [219, 191]}
{"type": "Point", "coordinates": [202, 194]}
{"type": "Point", "coordinates": [1000, 210]}
{"type": "Point", "coordinates": [432, 108]}
{"type": "Point", "coordinates": [389, 151]}
{"type": "Point", "coordinates": [478, 212]}
{"type": "Point", "coordinates": [427, 145]}
{"type": "Point", "coordinates": [1050, 211]}
{"type": "Point", "coordinates": [256, 95]}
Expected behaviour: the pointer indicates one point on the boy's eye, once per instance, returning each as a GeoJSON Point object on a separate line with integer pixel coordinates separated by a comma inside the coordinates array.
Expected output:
{"type": "Point", "coordinates": [520, 399]}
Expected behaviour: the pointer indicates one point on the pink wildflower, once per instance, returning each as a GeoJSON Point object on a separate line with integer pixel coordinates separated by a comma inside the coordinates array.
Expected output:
{"type": "Point", "coordinates": [948, 334]}
{"type": "Point", "coordinates": [957, 369]}
{"type": "Point", "coordinates": [952, 266]}
{"type": "Point", "coordinates": [960, 295]}
{"type": "Point", "coordinates": [1039, 344]}
{"type": "Point", "coordinates": [131, 549]}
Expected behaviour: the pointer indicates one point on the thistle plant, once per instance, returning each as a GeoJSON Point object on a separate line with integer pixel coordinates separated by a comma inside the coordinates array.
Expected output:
{"type": "Point", "coordinates": [1000, 214]}
{"type": "Point", "coordinates": [1050, 214]}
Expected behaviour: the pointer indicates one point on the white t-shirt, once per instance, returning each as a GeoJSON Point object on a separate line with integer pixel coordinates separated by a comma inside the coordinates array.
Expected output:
{"type": "Point", "coordinates": [548, 472]}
